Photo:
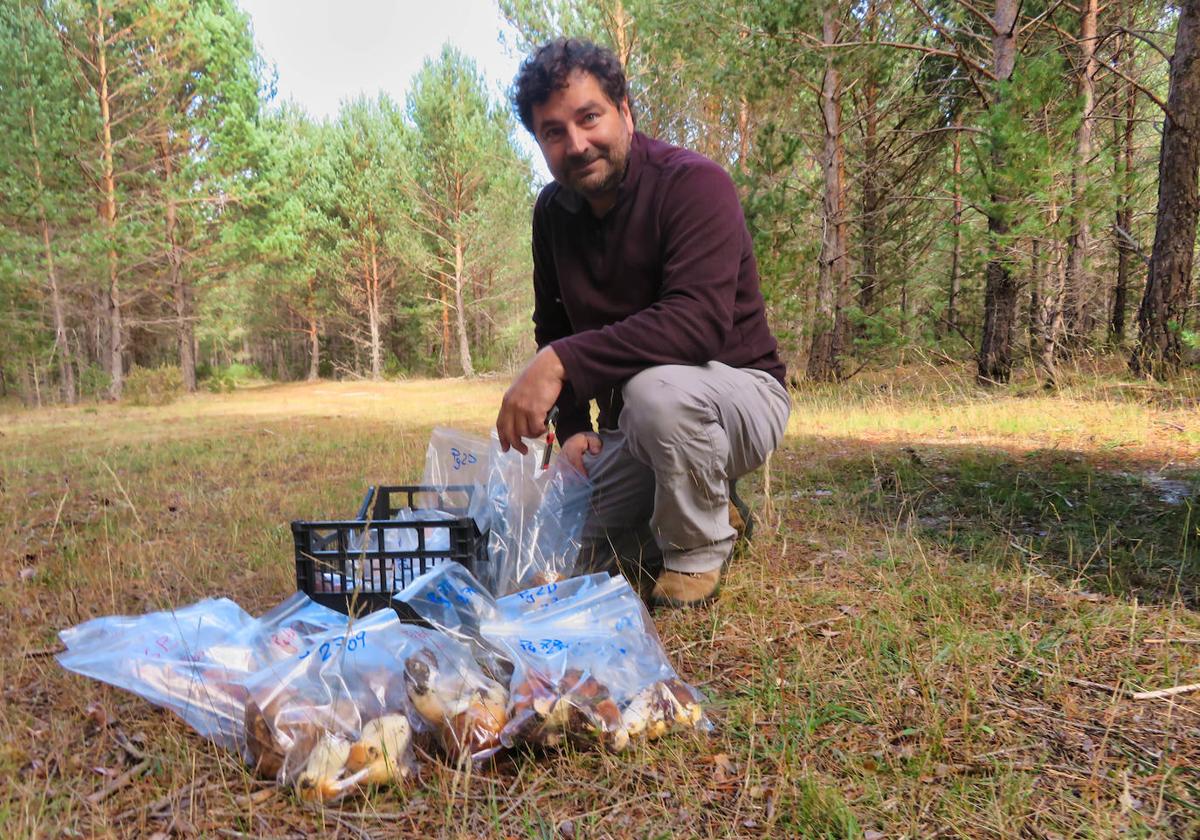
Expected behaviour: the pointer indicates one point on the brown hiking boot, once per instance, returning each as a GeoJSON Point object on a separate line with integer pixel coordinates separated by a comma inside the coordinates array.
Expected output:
{"type": "Point", "coordinates": [686, 589]}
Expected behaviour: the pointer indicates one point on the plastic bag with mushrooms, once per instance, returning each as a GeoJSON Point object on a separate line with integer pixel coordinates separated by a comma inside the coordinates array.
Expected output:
{"type": "Point", "coordinates": [527, 603]}
{"type": "Point", "coordinates": [535, 517]}
{"type": "Point", "coordinates": [451, 600]}
{"type": "Point", "coordinates": [448, 691]}
{"type": "Point", "coordinates": [327, 720]}
{"type": "Point", "coordinates": [195, 660]}
{"type": "Point", "coordinates": [591, 669]}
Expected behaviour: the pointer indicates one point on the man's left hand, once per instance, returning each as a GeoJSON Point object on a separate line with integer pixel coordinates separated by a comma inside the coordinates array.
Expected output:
{"type": "Point", "coordinates": [528, 400]}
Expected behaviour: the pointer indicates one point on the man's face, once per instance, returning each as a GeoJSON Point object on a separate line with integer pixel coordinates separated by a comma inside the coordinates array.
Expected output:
{"type": "Point", "coordinates": [584, 137]}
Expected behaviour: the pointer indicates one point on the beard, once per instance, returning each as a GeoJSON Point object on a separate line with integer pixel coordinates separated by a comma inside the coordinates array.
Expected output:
{"type": "Point", "coordinates": [608, 168]}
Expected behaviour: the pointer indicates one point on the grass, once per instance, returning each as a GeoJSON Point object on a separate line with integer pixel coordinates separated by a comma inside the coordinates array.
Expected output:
{"type": "Point", "coordinates": [950, 595]}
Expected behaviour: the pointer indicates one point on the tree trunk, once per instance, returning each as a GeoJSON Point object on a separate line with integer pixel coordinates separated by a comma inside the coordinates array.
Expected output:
{"type": "Point", "coordinates": [1000, 295]}
{"type": "Point", "coordinates": [1123, 166]}
{"type": "Point", "coordinates": [1053, 307]}
{"type": "Point", "coordinates": [824, 363]}
{"type": "Point", "coordinates": [180, 289]}
{"type": "Point", "coordinates": [620, 27]}
{"type": "Point", "coordinates": [956, 252]}
{"type": "Point", "coordinates": [445, 333]}
{"type": "Point", "coordinates": [314, 338]}
{"type": "Point", "coordinates": [1051, 316]}
{"type": "Point", "coordinates": [743, 135]}
{"type": "Point", "coordinates": [373, 312]}
{"type": "Point", "coordinates": [460, 321]}
{"type": "Point", "coordinates": [1162, 314]}
{"type": "Point", "coordinates": [1035, 294]}
{"type": "Point", "coordinates": [108, 212]}
{"type": "Point", "coordinates": [1077, 298]}
{"type": "Point", "coordinates": [872, 195]}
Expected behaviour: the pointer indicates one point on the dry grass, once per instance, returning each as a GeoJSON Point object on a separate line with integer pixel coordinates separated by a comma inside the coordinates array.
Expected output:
{"type": "Point", "coordinates": [902, 653]}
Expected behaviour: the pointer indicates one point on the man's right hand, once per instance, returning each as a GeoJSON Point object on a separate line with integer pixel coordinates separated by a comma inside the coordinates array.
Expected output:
{"type": "Point", "coordinates": [528, 400]}
{"type": "Point", "coordinates": [574, 448]}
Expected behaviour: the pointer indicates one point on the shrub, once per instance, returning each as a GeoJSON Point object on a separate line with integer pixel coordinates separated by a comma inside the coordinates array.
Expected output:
{"type": "Point", "coordinates": [222, 380]}
{"type": "Point", "coordinates": [152, 386]}
{"type": "Point", "coordinates": [93, 381]}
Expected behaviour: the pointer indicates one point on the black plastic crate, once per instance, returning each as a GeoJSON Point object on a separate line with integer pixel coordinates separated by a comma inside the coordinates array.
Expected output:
{"type": "Point", "coordinates": [357, 565]}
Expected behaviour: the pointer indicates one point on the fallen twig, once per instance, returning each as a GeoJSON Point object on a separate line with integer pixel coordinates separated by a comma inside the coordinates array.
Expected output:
{"type": "Point", "coordinates": [1165, 692]}
{"type": "Point", "coordinates": [256, 798]}
{"type": "Point", "coordinates": [808, 625]}
{"type": "Point", "coordinates": [1172, 641]}
{"type": "Point", "coordinates": [1108, 689]}
{"type": "Point", "coordinates": [168, 801]}
{"type": "Point", "coordinates": [124, 743]}
{"type": "Point", "coordinates": [119, 782]}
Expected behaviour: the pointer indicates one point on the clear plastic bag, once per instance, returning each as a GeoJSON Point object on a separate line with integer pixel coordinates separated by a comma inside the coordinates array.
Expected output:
{"type": "Point", "coordinates": [453, 602]}
{"type": "Point", "coordinates": [335, 716]}
{"type": "Point", "coordinates": [535, 518]}
{"type": "Point", "coordinates": [195, 660]}
{"type": "Point", "coordinates": [540, 597]}
{"type": "Point", "coordinates": [591, 669]}
{"type": "Point", "coordinates": [161, 656]}
{"type": "Point", "coordinates": [454, 458]}
{"type": "Point", "coordinates": [449, 693]}
{"type": "Point", "coordinates": [405, 539]}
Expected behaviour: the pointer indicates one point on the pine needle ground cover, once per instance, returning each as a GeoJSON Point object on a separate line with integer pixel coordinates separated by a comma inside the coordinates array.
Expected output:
{"type": "Point", "coordinates": [951, 601]}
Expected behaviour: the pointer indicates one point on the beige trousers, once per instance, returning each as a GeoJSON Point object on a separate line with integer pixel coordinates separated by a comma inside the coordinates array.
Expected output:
{"type": "Point", "coordinates": [661, 495]}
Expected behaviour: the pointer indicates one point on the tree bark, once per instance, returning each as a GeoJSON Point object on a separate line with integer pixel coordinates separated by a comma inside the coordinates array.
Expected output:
{"type": "Point", "coordinates": [1053, 306]}
{"type": "Point", "coordinates": [1162, 314]}
{"type": "Point", "coordinates": [1051, 325]}
{"type": "Point", "coordinates": [871, 193]}
{"type": "Point", "coordinates": [1077, 310]}
{"type": "Point", "coordinates": [460, 321]}
{"type": "Point", "coordinates": [743, 135]}
{"type": "Point", "coordinates": [1033, 316]}
{"type": "Point", "coordinates": [620, 27]}
{"type": "Point", "coordinates": [956, 252]}
{"type": "Point", "coordinates": [373, 311]}
{"type": "Point", "coordinates": [108, 213]}
{"type": "Point", "coordinates": [313, 333]}
{"type": "Point", "coordinates": [1000, 295]}
{"type": "Point", "coordinates": [445, 334]}
{"type": "Point", "coordinates": [180, 289]}
{"type": "Point", "coordinates": [1123, 166]}
{"type": "Point", "coordinates": [824, 363]}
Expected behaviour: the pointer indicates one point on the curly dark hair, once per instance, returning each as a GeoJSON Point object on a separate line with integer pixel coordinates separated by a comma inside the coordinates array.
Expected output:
{"type": "Point", "coordinates": [548, 68]}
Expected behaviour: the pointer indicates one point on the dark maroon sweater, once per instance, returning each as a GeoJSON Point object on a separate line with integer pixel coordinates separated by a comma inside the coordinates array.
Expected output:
{"type": "Point", "coordinates": [666, 277]}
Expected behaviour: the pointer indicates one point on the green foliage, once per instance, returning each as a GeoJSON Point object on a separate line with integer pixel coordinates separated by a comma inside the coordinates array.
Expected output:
{"type": "Point", "coordinates": [258, 228]}
{"type": "Point", "coordinates": [93, 381]}
{"type": "Point", "coordinates": [471, 197]}
{"type": "Point", "coordinates": [225, 379]}
{"type": "Point", "coordinates": [153, 386]}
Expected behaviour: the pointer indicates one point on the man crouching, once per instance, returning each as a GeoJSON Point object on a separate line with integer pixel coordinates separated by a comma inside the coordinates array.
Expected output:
{"type": "Point", "coordinates": [646, 299]}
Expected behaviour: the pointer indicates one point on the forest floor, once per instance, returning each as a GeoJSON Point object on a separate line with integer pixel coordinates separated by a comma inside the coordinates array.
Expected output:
{"type": "Point", "coordinates": [952, 596]}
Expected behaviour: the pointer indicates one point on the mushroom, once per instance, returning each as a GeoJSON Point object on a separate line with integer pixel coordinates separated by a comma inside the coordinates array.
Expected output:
{"type": "Point", "coordinates": [466, 714]}
{"type": "Point", "coordinates": [269, 747]}
{"type": "Point", "coordinates": [320, 780]}
{"type": "Point", "coordinates": [381, 750]}
{"type": "Point", "coordinates": [683, 702]}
